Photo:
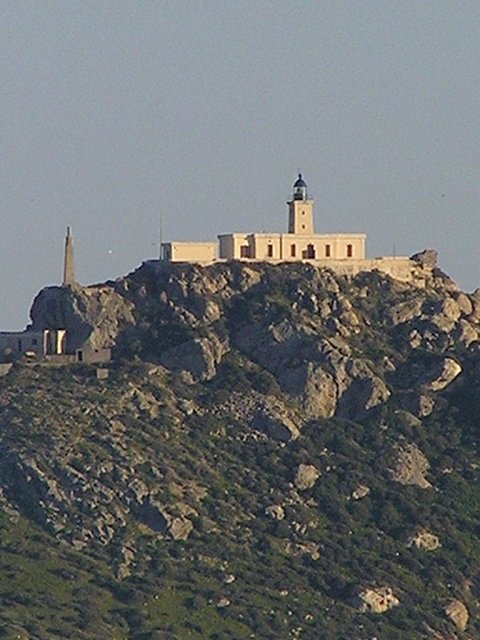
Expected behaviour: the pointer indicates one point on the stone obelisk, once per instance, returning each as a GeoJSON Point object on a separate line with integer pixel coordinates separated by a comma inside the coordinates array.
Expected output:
{"type": "Point", "coordinates": [68, 261]}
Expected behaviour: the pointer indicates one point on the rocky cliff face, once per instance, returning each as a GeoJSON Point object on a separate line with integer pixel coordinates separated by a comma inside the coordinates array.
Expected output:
{"type": "Point", "coordinates": [276, 451]}
{"type": "Point", "coordinates": [95, 315]}
{"type": "Point", "coordinates": [335, 346]}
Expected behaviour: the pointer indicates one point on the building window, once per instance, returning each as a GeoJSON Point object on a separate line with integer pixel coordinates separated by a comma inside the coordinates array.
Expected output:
{"type": "Point", "coordinates": [293, 250]}
{"type": "Point", "coordinates": [349, 250]}
{"type": "Point", "coordinates": [34, 342]}
{"type": "Point", "coordinates": [270, 250]}
{"type": "Point", "coordinates": [328, 251]}
{"type": "Point", "coordinates": [303, 226]}
{"type": "Point", "coordinates": [303, 213]}
{"type": "Point", "coordinates": [245, 251]}
{"type": "Point", "coordinates": [311, 252]}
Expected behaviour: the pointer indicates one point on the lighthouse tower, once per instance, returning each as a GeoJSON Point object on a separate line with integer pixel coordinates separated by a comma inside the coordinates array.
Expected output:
{"type": "Point", "coordinates": [300, 210]}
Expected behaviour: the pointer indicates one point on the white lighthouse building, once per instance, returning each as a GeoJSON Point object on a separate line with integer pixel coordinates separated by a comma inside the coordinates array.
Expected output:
{"type": "Point", "coordinates": [300, 242]}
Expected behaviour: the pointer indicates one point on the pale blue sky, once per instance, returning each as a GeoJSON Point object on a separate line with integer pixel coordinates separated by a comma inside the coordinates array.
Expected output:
{"type": "Point", "coordinates": [115, 112]}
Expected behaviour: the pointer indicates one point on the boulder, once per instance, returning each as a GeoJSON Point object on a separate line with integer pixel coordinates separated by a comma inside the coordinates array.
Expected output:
{"type": "Point", "coordinates": [154, 514]}
{"type": "Point", "coordinates": [198, 357]}
{"type": "Point", "coordinates": [275, 511]}
{"type": "Point", "coordinates": [350, 319]}
{"type": "Point", "coordinates": [315, 388]}
{"type": "Point", "coordinates": [143, 402]}
{"type": "Point", "coordinates": [405, 311]}
{"type": "Point", "coordinates": [423, 539]}
{"type": "Point", "coordinates": [446, 314]}
{"type": "Point", "coordinates": [276, 423]}
{"type": "Point", "coordinates": [179, 528]}
{"type": "Point", "coordinates": [412, 467]}
{"type": "Point", "coordinates": [420, 405]}
{"type": "Point", "coordinates": [223, 602]}
{"type": "Point", "coordinates": [441, 281]}
{"type": "Point", "coordinates": [306, 476]}
{"type": "Point", "coordinates": [414, 339]}
{"type": "Point", "coordinates": [426, 258]}
{"type": "Point", "coordinates": [458, 614]}
{"type": "Point", "coordinates": [363, 395]}
{"type": "Point", "coordinates": [425, 405]}
{"type": "Point", "coordinates": [360, 492]}
{"type": "Point", "coordinates": [126, 559]}
{"type": "Point", "coordinates": [306, 548]}
{"type": "Point", "coordinates": [475, 300]}
{"type": "Point", "coordinates": [441, 375]}
{"type": "Point", "coordinates": [465, 333]}
{"type": "Point", "coordinates": [339, 385]}
{"type": "Point", "coordinates": [376, 600]}
{"type": "Point", "coordinates": [464, 303]}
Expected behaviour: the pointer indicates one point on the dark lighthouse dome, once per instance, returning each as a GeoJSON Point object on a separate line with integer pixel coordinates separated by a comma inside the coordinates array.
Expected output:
{"type": "Point", "coordinates": [300, 189]}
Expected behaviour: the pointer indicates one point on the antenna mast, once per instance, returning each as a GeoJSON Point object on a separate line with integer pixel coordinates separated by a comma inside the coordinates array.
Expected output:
{"type": "Point", "coordinates": [160, 252]}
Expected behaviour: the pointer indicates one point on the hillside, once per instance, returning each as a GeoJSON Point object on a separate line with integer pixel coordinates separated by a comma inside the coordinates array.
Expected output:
{"type": "Point", "coordinates": [277, 452]}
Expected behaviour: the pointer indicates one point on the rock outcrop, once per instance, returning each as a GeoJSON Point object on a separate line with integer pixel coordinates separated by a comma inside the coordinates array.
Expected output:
{"type": "Point", "coordinates": [298, 322]}
{"type": "Point", "coordinates": [427, 258]}
{"type": "Point", "coordinates": [412, 467]}
{"type": "Point", "coordinates": [275, 511]}
{"type": "Point", "coordinates": [377, 600]}
{"type": "Point", "coordinates": [360, 492]}
{"type": "Point", "coordinates": [423, 539]}
{"type": "Point", "coordinates": [442, 375]}
{"type": "Point", "coordinates": [306, 476]}
{"type": "Point", "coordinates": [94, 315]}
{"type": "Point", "coordinates": [198, 357]}
{"type": "Point", "coordinates": [276, 422]}
{"type": "Point", "coordinates": [305, 548]}
{"type": "Point", "coordinates": [458, 614]}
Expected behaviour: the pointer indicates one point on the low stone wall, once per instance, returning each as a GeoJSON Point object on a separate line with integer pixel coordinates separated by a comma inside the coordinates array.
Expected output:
{"type": "Point", "coordinates": [60, 359]}
{"type": "Point", "coordinates": [400, 268]}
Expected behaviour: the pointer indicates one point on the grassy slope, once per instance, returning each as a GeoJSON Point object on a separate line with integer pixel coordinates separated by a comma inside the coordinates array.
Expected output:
{"type": "Point", "coordinates": [53, 591]}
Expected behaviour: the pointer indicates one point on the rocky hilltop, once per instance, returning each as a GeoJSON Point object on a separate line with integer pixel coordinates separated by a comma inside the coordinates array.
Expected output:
{"type": "Point", "coordinates": [307, 328]}
{"type": "Point", "coordinates": [277, 452]}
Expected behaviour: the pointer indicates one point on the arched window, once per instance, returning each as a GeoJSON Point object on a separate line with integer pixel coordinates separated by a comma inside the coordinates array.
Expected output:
{"type": "Point", "coordinates": [328, 251]}
{"type": "Point", "coordinates": [293, 250]}
{"type": "Point", "coordinates": [349, 250]}
{"type": "Point", "coordinates": [311, 252]}
{"type": "Point", "coordinates": [270, 250]}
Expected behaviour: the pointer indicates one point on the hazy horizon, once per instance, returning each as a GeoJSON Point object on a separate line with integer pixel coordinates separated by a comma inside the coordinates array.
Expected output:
{"type": "Point", "coordinates": [118, 114]}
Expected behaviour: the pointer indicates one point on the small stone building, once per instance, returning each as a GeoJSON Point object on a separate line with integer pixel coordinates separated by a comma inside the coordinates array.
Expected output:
{"type": "Point", "coordinates": [189, 251]}
{"type": "Point", "coordinates": [37, 345]}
